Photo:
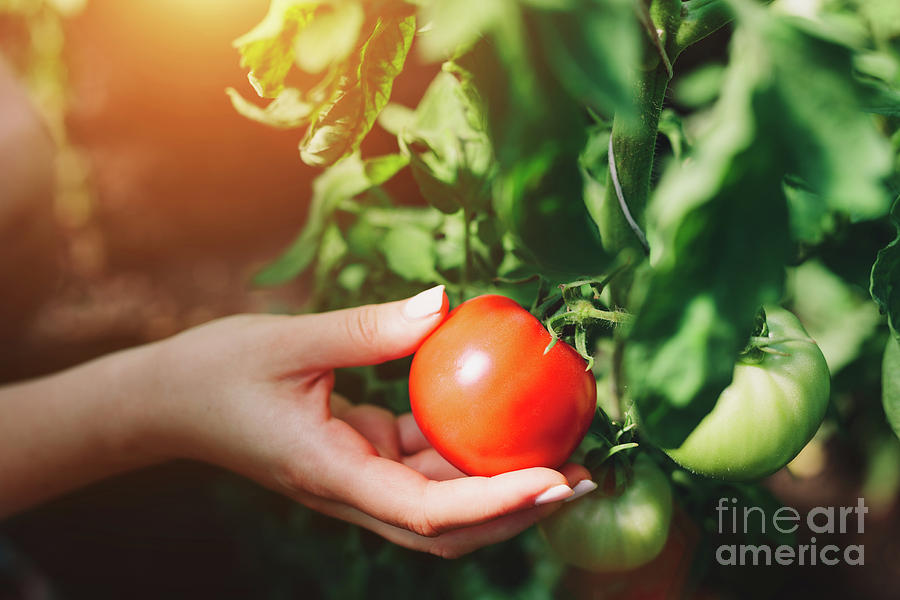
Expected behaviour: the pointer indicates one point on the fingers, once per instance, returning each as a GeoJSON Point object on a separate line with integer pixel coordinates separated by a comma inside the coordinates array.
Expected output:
{"type": "Point", "coordinates": [365, 335]}
{"type": "Point", "coordinates": [411, 438]}
{"type": "Point", "coordinates": [462, 541]}
{"type": "Point", "coordinates": [579, 479]}
{"type": "Point", "coordinates": [448, 545]}
{"type": "Point", "coordinates": [575, 473]}
{"type": "Point", "coordinates": [378, 425]}
{"type": "Point", "coordinates": [432, 465]}
{"type": "Point", "coordinates": [397, 494]}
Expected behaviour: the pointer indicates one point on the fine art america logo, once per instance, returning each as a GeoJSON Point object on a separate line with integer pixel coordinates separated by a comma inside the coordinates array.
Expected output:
{"type": "Point", "coordinates": [786, 520]}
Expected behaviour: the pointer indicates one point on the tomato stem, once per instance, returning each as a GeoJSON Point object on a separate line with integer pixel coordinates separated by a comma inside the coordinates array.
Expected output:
{"type": "Point", "coordinates": [467, 250]}
{"type": "Point", "coordinates": [581, 346]}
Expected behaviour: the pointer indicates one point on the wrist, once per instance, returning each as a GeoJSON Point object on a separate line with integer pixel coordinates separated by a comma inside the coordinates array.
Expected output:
{"type": "Point", "coordinates": [131, 410]}
{"type": "Point", "coordinates": [68, 430]}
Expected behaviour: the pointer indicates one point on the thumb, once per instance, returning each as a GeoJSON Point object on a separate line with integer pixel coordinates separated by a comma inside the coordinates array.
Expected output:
{"type": "Point", "coordinates": [372, 334]}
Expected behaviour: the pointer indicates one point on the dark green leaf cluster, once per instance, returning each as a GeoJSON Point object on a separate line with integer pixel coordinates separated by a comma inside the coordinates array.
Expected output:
{"type": "Point", "coordinates": [785, 148]}
{"type": "Point", "coordinates": [529, 213]}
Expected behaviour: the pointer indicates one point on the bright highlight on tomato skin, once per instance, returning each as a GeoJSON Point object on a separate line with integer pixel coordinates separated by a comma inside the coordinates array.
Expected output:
{"type": "Point", "coordinates": [472, 367]}
{"type": "Point", "coordinates": [487, 397]}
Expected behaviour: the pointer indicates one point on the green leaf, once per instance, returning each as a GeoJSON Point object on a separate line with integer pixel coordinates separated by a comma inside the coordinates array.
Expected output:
{"type": "Point", "coordinates": [268, 49]}
{"type": "Point", "coordinates": [286, 111]}
{"type": "Point", "coordinates": [450, 249]}
{"type": "Point", "coordinates": [883, 16]}
{"type": "Point", "coordinates": [883, 101]}
{"type": "Point", "coordinates": [394, 118]}
{"type": "Point", "coordinates": [355, 73]}
{"type": "Point", "coordinates": [450, 154]}
{"type": "Point", "coordinates": [332, 249]}
{"type": "Point", "coordinates": [410, 253]}
{"type": "Point", "coordinates": [890, 383]}
{"type": "Point", "coordinates": [542, 204]}
{"type": "Point", "coordinates": [811, 219]}
{"type": "Point", "coordinates": [388, 217]}
{"type": "Point", "coordinates": [340, 127]}
{"type": "Point", "coordinates": [840, 317]}
{"type": "Point", "coordinates": [671, 126]}
{"type": "Point", "coordinates": [344, 180]}
{"type": "Point", "coordinates": [381, 169]}
{"type": "Point", "coordinates": [352, 277]}
{"type": "Point", "coordinates": [834, 146]}
{"type": "Point", "coordinates": [699, 87]}
{"type": "Point", "coordinates": [330, 37]}
{"type": "Point", "coordinates": [885, 280]}
{"type": "Point", "coordinates": [538, 64]}
{"type": "Point", "coordinates": [454, 25]}
{"type": "Point", "coordinates": [590, 47]}
{"type": "Point", "coordinates": [436, 181]}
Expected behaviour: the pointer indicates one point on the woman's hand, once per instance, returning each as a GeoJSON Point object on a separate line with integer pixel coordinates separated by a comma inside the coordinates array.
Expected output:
{"type": "Point", "coordinates": [254, 394]}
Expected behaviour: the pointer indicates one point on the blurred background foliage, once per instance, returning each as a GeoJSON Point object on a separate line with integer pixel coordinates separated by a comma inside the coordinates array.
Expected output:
{"type": "Point", "coordinates": [167, 202]}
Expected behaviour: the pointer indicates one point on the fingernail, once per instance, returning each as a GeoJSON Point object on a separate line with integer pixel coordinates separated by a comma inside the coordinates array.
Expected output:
{"type": "Point", "coordinates": [425, 304]}
{"type": "Point", "coordinates": [585, 486]}
{"type": "Point", "coordinates": [554, 494]}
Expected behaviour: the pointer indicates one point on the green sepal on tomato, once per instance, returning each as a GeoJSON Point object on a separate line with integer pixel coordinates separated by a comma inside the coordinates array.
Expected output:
{"type": "Point", "coordinates": [489, 398]}
{"type": "Point", "coordinates": [621, 525]}
{"type": "Point", "coordinates": [768, 413]}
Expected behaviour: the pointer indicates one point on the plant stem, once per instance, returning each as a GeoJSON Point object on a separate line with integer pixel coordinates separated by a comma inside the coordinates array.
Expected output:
{"type": "Point", "coordinates": [634, 145]}
{"type": "Point", "coordinates": [467, 249]}
{"type": "Point", "coordinates": [672, 26]}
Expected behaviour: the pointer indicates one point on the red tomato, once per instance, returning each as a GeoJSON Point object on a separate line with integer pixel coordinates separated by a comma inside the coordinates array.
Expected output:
{"type": "Point", "coordinates": [487, 397]}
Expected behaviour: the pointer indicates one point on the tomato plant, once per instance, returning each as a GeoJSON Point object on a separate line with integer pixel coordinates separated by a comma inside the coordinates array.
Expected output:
{"type": "Point", "coordinates": [645, 190]}
{"type": "Point", "coordinates": [621, 526]}
{"type": "Point", "coordinates": [771, 409]}
{"type": "Point", "coordinates": [488, 397]}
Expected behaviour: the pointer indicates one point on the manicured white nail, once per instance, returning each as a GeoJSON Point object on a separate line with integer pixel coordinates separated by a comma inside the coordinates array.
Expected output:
{"type": "Point", "coordinates": [585, 486]}
{"type": "Point", "coordinates": [554, 494]}
{"type": "Point", "coordinates": [425, 304]}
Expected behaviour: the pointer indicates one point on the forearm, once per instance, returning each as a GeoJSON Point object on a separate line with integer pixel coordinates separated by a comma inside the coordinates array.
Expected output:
{"type": "Point", "coordinates": [64, 431]}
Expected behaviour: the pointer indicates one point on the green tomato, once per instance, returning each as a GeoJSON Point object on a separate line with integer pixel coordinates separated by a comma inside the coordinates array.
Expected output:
{"type": "Point", "coordinates": [614, 529]}
{"type": "Point", "coordinates": [769, 412]}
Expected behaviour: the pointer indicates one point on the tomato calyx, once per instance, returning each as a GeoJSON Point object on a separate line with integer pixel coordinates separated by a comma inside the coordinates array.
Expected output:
{"type": "Point", "coordinates": [604, 451]}
{"type": "Point", "coordinates": [574, 311]}
{"type": "Point", "coordinates": [761, 342]}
